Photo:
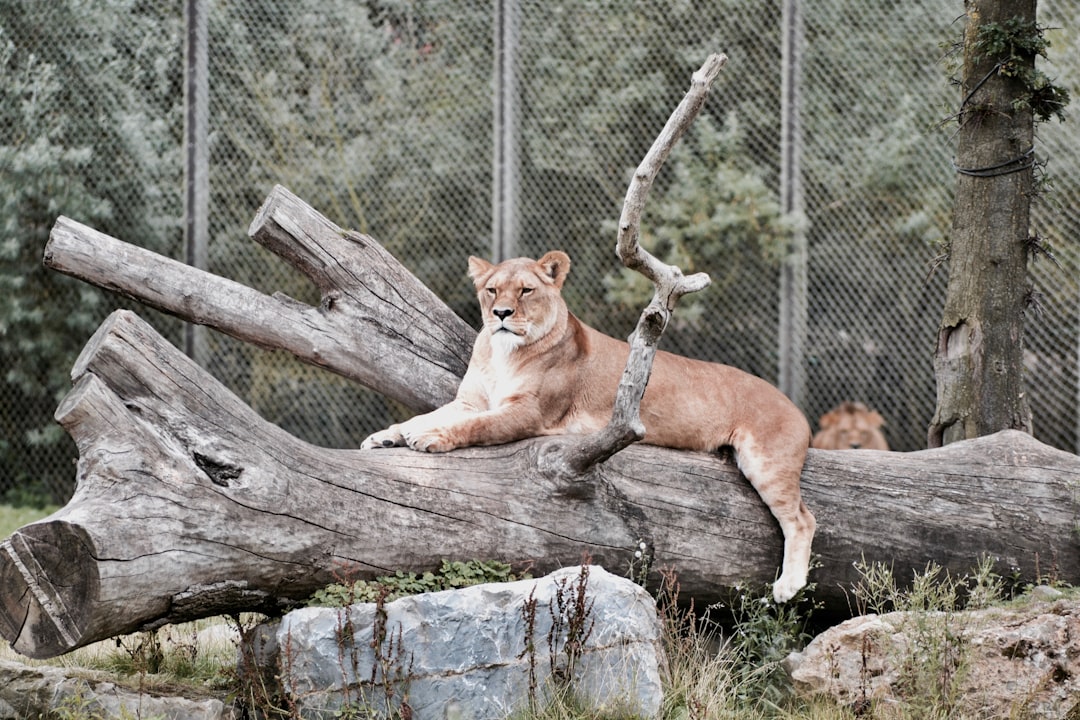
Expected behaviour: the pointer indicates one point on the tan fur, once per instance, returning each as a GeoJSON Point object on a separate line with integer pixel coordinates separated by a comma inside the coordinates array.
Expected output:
{"type": "Point", "coordinates": [850, 426]}
{"type": "Point", "coordinates": [538, 370]}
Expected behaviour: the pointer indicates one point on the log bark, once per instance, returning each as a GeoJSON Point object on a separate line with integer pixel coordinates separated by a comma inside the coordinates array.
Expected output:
{"type": "Point", "coordinates": [189, 505]}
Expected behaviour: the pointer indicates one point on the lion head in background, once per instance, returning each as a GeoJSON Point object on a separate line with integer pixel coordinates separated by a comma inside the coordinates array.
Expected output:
{"type": "Point", "coordinates": [850, 426]}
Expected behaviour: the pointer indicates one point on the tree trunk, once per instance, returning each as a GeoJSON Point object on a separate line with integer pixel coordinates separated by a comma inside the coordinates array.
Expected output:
{"type": "Point", "coordinates": [978, 362]}
{"type": "Point", "coordinates": [189, 505]}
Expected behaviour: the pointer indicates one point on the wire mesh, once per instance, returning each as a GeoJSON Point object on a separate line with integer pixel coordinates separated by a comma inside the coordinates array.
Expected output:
{"type": "Point", "coordinates": [379, 114]}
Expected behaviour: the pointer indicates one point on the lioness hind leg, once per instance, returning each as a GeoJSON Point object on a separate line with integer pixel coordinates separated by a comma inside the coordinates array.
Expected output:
{"type": "Point", "coordinates": [775, 476]}
{"type": "Point", "coordinates": [798, 536]}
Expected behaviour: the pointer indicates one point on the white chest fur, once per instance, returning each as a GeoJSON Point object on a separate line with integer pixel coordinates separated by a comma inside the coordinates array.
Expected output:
{"type": "Point", "coordinates": [501, 380]}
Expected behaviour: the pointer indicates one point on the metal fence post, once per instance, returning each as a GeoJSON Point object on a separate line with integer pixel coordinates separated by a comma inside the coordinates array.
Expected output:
{"type": "Point", "coordinates": [196, 157]}
{"type": "Point", "coordinates": [793, 275]}
{"type": "Point", "coordinates": [505, 173]}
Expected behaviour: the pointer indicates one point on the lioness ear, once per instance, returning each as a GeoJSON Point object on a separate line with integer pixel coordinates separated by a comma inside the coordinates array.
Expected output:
{"type": "Point", "coordinates": [478, 269]}
{"type": "Point", "coordinates": [828, 420]}
{"type": "Point", "coordinates": [556, 265]}
{"type": "Point", "coordinates": [875, 419]}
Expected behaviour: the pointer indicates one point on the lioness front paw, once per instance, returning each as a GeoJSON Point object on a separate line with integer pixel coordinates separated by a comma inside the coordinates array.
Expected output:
{"type": "Point", "coordinates": [390, 437]}
{"type": "Point", "coordinates": [432, 440]}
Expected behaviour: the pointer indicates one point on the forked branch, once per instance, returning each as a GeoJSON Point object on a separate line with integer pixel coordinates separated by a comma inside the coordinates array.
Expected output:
{"type": "Point", "coordinates": [577, 455]}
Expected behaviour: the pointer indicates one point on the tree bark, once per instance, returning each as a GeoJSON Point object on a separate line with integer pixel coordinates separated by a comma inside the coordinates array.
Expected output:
{"type": "Point", "coordinates": [978, 362]}
{"type": "Point", "coordinates": [189, 505]}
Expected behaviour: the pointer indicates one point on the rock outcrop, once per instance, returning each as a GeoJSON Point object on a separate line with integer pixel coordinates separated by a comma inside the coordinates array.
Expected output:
{"type": "Point", "coordinates": [31, 692]}
{"type": "Point", "coordinates": [1012, 661]}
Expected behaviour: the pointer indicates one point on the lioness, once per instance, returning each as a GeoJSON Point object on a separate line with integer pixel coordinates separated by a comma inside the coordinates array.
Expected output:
{"type": "Point", "coordinates": [538, 370]}
{"type": "Point", "coordinates": [850, 426]}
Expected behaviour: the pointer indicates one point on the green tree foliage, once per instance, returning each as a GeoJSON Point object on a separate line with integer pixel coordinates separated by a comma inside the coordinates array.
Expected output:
{"type": "Point", "coordinates": [378, 123]}
{"type": "Point", "coordinates": [714, 213]}
{"type": "Point", "coordinates": [87, 129]}
{"type": "Point", "coordinates": [593, 102]}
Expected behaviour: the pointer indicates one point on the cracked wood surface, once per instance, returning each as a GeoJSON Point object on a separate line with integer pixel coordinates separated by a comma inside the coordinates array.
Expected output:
{"type": "Point", "coordinates": [371, 308]}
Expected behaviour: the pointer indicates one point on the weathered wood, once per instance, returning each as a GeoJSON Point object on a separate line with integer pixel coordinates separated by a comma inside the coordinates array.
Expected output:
{"type": "Point", "coordinates": [372, 308]}
{"type": "Point", "coordinates": [188, 505]}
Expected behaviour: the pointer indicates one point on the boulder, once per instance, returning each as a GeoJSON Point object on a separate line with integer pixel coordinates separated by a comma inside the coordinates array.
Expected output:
{"type": "Point", "coordinates": [1011, 661]}
{"type": "Point", "coordinates": [474, 653]}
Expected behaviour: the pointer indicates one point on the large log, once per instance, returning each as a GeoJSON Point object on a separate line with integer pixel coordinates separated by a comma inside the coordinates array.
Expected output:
{"type": "Point", "coordinates": [188, 504]}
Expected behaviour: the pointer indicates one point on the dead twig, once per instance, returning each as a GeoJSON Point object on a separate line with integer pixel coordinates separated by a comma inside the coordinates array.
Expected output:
{"type": "Point", "coordinates": [577, 456]}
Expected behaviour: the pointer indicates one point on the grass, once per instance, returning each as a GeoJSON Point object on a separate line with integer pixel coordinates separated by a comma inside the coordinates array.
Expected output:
{"type": "Point", "coordinates": [12, 518]}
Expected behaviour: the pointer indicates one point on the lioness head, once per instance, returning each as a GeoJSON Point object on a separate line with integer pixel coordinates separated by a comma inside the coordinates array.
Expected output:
{"type": "Point", "coordinates": [850, 426]}
{"type": "Point", "coordinates": [520, 299]}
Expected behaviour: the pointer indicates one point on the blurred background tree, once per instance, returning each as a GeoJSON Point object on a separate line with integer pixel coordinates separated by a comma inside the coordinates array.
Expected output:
{"type": "Point", "coordinates": [89, 127]}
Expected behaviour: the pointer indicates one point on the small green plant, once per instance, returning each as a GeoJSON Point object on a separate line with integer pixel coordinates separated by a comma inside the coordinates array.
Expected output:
{"type": "Point", "coordinates": [931, 665]}
{"type": "Point", "coordinates": [450, 575]}
{"type": "Point", "coordinates": [763, 634]}
{"type": "Point", "coordinates": [571, 625]}
{"type": "Point", "coordinates": [699, 672]}
{"type": "Point", "coordinates": [640, 564]}
{"type": "Point", "coordinates": [985, 587]}
{"type": "Point", "coordinates": [393, 666]}
{"type": "Point", "coordinates": [1013, 44]}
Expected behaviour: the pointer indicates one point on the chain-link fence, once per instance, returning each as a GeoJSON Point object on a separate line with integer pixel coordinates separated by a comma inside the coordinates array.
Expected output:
{"type": "Point", "coordinates": [382, 115]}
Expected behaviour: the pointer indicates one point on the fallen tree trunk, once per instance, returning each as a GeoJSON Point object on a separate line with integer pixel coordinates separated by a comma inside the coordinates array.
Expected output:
{"type": "Point", "coordinates": [188, 504]}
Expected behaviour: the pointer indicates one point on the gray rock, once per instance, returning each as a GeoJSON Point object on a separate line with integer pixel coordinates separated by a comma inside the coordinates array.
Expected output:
{"type": "Point", "coordinates": [30, 692]}
{"type": "Point", "coordinates": [1045, 593]}
{"type": "Point", "coordinates": [463, 653]}
{"type": "Point", "coordinates": [1014, 661]}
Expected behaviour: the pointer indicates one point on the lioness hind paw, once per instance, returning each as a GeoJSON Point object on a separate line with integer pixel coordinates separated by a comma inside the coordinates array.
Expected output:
{"type": "Point", "coordinates": [784, 589]}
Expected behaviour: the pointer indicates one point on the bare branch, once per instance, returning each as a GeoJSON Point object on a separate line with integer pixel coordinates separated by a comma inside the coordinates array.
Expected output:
{"type": "Point", "coordinates": [576, 456]}
{"type": "Point", "coordinates": [629, 249]}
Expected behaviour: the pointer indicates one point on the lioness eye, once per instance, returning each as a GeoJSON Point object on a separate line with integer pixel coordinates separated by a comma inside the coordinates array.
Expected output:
{"type": "Point", "coordinates": [526, 291]}
{"type": "Point", "coordinates": [491, 291]}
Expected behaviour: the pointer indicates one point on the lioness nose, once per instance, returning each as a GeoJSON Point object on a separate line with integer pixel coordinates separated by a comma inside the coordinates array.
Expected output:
{"type": "Point", "coordinates": [502, 313]}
